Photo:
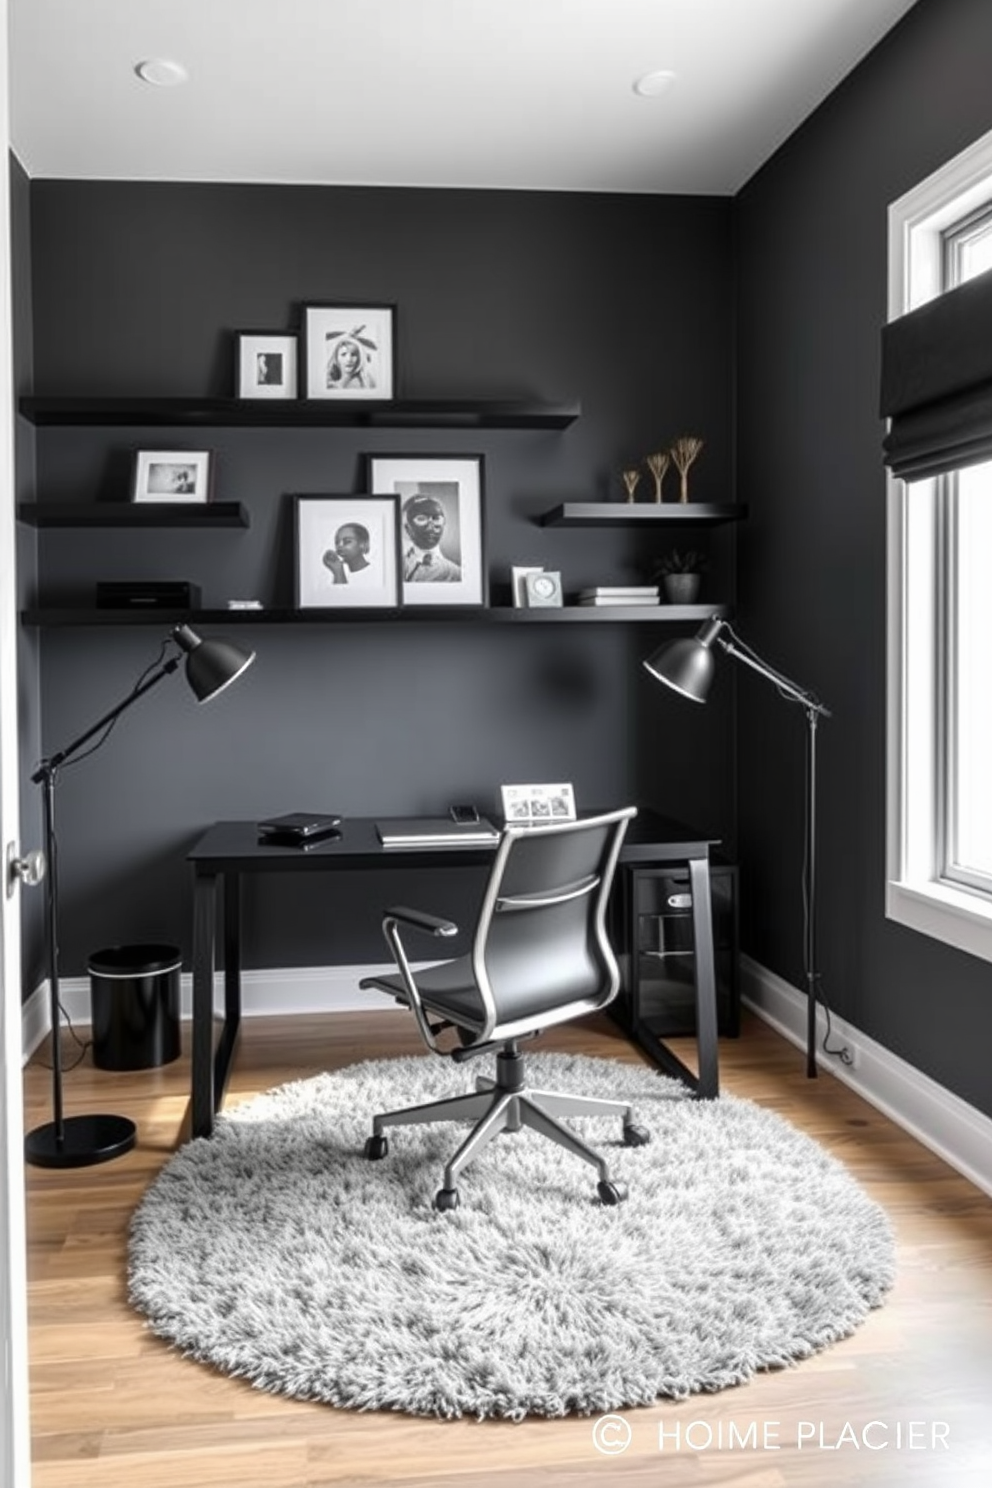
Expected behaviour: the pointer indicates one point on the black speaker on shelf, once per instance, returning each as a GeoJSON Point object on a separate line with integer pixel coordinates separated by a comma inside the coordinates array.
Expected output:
{"type": "Point", "coordinates": [147, 594]}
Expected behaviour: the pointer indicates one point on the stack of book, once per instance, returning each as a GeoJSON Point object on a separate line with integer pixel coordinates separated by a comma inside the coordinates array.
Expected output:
{"type": "Point", "coordinates": [303, 829]}
{"type": "Point", "coordinates": [620, 594]}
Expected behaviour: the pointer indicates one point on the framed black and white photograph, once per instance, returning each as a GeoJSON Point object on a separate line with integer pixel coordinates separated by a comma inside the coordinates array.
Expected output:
{"type": "Point", "coordinates": [171, 475]}
{"type": "Point", "coordinates": [441, 533]}
{"type": "Point", "coordinates": [350, 351]}
{"type": "Point", "coordinates": [266, 365]}
{"type": "Point", "coordinates": [533, 805]}
{"type": "Point", "coordinates": [347, 552]}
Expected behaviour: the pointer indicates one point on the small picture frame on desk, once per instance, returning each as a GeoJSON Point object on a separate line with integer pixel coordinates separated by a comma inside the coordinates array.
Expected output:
{"type": "Point", "coordinates": [349, 352]}
{"type": "Point", "coordinates": [347, 552]}
{"type": "Point", "coordinates": [172, 475]}
{"type": "Point", "coordinates": [441, 537]}
{"type": "Point", "coordinates": [266, 365]}
{"type": "Point", "coordinates": [537, 805]}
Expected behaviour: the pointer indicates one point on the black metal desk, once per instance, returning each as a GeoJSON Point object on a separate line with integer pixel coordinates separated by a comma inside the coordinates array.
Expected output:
{"type": "Point", "coordinates": [228, 850]}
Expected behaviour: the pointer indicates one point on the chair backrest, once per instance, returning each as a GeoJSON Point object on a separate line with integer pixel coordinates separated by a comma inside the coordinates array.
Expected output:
{"type": "Point", "coordinates": [541, 953]}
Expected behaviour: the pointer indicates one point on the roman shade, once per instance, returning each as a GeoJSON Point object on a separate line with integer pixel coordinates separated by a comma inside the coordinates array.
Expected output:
{"type": "Point", "coordinates": [937, 383]}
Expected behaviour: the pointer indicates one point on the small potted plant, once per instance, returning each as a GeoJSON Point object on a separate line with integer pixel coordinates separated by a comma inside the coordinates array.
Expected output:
{"type": "Point", "coordinates": [681, 575]}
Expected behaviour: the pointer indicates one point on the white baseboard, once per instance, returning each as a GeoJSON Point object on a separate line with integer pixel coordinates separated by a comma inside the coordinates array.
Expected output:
{"type": "Point", "coordinates": [299, 989]}
{"type": "Point", "coordinates": [944, 1123]}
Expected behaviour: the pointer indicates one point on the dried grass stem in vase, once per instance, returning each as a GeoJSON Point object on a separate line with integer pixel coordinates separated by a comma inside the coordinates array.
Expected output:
{"type": "Point", "coordinates": [684, 451]}
{"type": "Point", "coordinates": [658, 465]}
{"type": "Point", "coordinates": [630, 480]}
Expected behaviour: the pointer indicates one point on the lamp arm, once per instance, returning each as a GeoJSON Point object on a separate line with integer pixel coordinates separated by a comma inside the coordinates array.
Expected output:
{"type": "Point", "coordinates": [49, 766]}
{"type": "Point", "coordinates": [789, 689]}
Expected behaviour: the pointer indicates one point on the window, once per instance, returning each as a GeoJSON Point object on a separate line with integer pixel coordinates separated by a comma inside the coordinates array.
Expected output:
{"type": "Point", "coordinates": [939, 808]}
{"type": "Point", "coordinates": [964, 718]}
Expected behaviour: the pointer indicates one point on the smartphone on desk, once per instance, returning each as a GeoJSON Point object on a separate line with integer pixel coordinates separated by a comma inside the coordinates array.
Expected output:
{"type": "Point", "coordinates": [464, 815]}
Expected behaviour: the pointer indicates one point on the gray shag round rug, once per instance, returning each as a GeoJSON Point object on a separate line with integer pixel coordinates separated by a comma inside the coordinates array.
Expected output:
{"type": "Point", "coordinates": [277, 1252]}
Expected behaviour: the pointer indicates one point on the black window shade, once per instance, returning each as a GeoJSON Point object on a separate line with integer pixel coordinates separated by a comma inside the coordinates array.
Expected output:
{"type": "Point", "coordinates": [937, 383]}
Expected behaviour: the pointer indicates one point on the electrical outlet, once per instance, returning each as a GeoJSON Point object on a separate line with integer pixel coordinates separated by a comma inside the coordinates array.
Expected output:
{"type": "Point", "coordinates": [849, 1056]}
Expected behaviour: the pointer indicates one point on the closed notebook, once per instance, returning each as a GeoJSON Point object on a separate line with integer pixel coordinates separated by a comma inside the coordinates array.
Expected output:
{"type": "Point", "coordinates": [302, 824]}
{"type": "Point", "coordinates": [435, 831]}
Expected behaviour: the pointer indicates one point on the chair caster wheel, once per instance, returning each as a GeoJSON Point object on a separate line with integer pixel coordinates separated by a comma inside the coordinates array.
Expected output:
{"type": "Point", "coordinates": [446, 1198]}
{"type": "Point", "coordinates": [636, 1136]}
{"type": "Point", "coordinates": [376, 1147]}
{"type": "Point", "coordinates": [611, 1194]}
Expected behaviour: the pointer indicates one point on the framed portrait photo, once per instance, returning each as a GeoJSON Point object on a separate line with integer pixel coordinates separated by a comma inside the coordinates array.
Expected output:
{"type": "Point", "coordinates": [171, 475]}
{"type": "Point", "coordinates": [441, 530]}
{"type": "Point", "coordinates": [350, 351]}
{"type": "Point", "coordinates": [266, 365]}
{"type": "Point", "coordinates": [347, 552]}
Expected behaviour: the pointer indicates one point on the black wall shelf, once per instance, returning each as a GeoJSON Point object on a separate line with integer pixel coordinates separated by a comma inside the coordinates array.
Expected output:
{"type": "Point", "coordinates": [299, 413]}
{"type": "Point", "coordinates": [641, 514]}
{"type": "Point", "coordinates": [665, 614]}
{"type": "Point", "coordinates": [133, 514]}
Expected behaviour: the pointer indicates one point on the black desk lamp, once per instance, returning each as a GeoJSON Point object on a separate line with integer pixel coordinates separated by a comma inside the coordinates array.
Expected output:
{"type": "Point", "coordinates": [687, 666]}
{"type": "Point", "coordinates": [81, 1140]}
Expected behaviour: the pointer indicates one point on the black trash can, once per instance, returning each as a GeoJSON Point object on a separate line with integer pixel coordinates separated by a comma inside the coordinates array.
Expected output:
{"type": "Point", "coordinates": [134, 992]}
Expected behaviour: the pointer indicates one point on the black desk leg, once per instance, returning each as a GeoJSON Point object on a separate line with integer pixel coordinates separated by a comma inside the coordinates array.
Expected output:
{"type": "Point", "coordinates": [708, 1084]}
{"type": "Point", "coordinates": [204, 932]}
{"type": "Point", "coordinates": [232, 985]}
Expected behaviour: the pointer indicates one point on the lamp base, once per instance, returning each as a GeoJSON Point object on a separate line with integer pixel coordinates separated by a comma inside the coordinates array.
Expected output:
{"type": "Point", "coordinates": [83, 1140]}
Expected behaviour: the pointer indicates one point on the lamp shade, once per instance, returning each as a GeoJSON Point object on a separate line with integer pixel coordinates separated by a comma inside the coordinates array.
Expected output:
{"type": "Point", "coordinates": [210, 665]}
{"type": "Point", "coordinates": [687, 666]}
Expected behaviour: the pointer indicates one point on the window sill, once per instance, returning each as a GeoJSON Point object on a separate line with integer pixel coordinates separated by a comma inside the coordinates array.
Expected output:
{"type": "Point", "coordinates": [957, 918]}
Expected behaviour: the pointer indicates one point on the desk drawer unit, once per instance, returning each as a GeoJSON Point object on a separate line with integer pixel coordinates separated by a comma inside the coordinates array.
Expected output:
{"type": "Point", "coordinates": [654, 941]}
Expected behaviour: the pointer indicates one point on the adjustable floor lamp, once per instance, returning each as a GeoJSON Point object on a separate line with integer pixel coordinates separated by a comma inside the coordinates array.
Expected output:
{"type": "Point", "coordinates": [687, 666]}
{"type": "Point", "coordinates": [78, 1141]}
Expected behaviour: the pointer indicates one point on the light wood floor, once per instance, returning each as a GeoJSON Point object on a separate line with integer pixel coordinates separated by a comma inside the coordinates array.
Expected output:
{"type": "Point", "coordinates": [114, 1408]}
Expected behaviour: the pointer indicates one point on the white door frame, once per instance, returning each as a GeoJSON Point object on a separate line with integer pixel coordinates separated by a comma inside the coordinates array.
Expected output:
{"type": "Point", "coordinates": [15, 1441]}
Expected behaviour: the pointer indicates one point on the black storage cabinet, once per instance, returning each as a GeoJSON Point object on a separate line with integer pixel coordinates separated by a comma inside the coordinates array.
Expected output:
{"type": "Point", "coordinates": [134, 992]}
{"type": "Point", "coordinates": [653, 936]}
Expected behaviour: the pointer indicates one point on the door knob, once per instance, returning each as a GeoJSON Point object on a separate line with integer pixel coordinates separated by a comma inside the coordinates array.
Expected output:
{"type": "Point", "coordinates": [29, 870]}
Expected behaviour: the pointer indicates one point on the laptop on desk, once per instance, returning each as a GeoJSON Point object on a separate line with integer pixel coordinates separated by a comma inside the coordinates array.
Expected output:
{"type": "Point", "coordinates": [435, 831]}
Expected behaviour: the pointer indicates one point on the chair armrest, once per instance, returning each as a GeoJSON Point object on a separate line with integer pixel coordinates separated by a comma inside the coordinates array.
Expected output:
{"type": "Point", "coordinates": [418, 920]}
{"type": "Point", "coordinates": [414, 919]}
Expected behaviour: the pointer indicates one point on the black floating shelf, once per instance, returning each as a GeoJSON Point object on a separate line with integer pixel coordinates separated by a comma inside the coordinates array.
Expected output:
{"type": "Point", "coordinates": [665, 614]}
{"type": "Point", "coordinates": [641, 514]}
{"type": "Point", "coordinates": [300, 413]}
{"type": "Point", "coordinates": [133, 514]}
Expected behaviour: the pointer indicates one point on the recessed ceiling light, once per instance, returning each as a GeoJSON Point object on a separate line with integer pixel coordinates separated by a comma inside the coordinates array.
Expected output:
{"type": "Point", "coordinates": [162, 73]}
{"type": "Point", "coordinates": [653, 84]}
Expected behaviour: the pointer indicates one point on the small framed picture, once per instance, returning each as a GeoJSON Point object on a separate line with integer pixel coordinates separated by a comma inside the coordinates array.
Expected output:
{"type": "Point", "coordinates": [543, 590]}
{"type": "Point", "coordinates": [518, 576]}
{"type": "Point", "coordinates": [440, 499]}
{"type": "Point", "coordinates": [347, 552]}
{"type": "Point", "coordinates": [350, 351]}
{"type": "Point", "coordinates": [172, 475]}
{"type": "Point", "coordinates": [266, 365]}
{"type": "Point", "coordinates": [533, 805]}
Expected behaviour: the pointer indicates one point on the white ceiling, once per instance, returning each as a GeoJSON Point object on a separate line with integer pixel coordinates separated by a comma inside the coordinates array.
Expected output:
{"type": "Point", "coordinates": [534, 94]}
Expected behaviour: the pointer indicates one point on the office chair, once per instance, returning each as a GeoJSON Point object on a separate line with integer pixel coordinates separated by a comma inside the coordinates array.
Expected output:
{"type": "Point", "coordinates": [539, 956]}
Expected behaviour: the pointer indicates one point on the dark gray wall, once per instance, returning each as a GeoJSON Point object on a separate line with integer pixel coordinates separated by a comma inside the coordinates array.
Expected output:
{"type": "Point", "coordinates": [622, 303]}
{"type": "Point", "coordinates": [811, 263]}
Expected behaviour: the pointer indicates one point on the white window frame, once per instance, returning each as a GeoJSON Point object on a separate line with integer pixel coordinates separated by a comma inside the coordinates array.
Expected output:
{"type": "Point", "coordinates": [913, 895]}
